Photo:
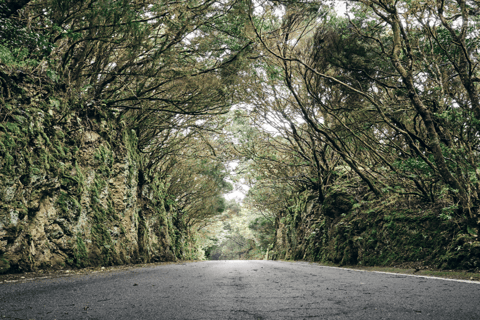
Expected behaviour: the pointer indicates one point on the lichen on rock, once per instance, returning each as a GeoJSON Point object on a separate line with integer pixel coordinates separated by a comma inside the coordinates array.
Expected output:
{"type": "Point", "coordinates": [70, 193]}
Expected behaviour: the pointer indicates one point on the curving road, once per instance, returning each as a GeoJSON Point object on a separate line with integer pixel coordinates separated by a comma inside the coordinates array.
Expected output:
{"type": "Point", "coordinates": [240, 290]}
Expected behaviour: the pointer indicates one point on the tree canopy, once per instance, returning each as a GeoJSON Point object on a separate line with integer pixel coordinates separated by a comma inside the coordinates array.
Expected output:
{"type": "Point", "coordinates": [385, 97]}
{"type": "Point", "coordinates": [381, 104]}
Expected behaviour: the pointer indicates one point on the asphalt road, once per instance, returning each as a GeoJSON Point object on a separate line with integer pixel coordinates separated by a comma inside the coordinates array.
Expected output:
{"type": "Point", "coordinates": [240, 290]}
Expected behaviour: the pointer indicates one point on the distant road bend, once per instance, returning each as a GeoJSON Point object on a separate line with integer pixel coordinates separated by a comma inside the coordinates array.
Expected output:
{"type": "Point", "coordinates": [240, 290]}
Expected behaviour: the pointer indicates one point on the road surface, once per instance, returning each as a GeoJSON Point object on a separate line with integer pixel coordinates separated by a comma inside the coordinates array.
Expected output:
{"type": "Point", "coordinates": [240, 290]}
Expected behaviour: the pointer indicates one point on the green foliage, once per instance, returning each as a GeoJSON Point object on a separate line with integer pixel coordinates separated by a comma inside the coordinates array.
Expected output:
{"type": "Point", "coordinates": [264, 230]}
{"type": "Point", "coordinates": [21, 46]}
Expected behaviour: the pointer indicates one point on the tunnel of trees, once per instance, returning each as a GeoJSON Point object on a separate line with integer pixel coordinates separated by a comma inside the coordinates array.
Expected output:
{"type": "Point", "coordinates": [355, 123]}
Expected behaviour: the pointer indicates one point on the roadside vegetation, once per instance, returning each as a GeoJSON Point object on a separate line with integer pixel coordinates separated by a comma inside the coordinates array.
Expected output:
{"type": "Point", "coordinates": [362, 140]}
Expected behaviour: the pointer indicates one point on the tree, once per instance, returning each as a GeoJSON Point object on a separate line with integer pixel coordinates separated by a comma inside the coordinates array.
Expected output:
{"type": "Point", "coordinates": [377, 88]}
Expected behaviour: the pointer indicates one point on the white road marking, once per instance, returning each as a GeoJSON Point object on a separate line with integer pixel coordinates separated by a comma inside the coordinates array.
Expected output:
{"type": "Point", "coordinates": [403, 274]}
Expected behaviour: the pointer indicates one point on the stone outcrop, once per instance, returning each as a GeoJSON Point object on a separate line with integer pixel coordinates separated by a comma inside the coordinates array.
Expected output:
{"type": "Point", "coordinates": [346, 232]}
{"type": "Point", "coordinates": [70, 193]}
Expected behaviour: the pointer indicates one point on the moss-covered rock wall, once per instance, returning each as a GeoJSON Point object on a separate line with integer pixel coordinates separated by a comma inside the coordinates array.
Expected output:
{"type": "Point", "coordinates": [373, 233]}
{"type": "Point", "coordinates": [72, 192]}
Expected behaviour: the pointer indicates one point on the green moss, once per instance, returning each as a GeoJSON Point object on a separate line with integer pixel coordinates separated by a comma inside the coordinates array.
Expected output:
{"type": "Point", "coordinates": [8, 162]}
{"type": "Point", "coordinates": [46, 138]}
{"type": "Point", "coordinates": [12, 127]}
{"type": "Point", "coordinates": [76, 181]}
{"type": "Point", "coordinates": [60, 150]}
{"type": "Point", "coordinates": [4, 265]}
{"type": "Point", "coordinates": [68, 204]}
{"type": "Point", "coordinates": [80, 253]}
{"type": "Point", "coordinates": [101, 219]}
{"type": "Point", "coordinates": [37, 149]}
{"type": "Point", "coordinates": [9, 141]}
{"type": "Point", "coordinates": [60, 134]}
{"type": "Point", "coordinates": [386, 237]}
{"type": "Point", "coordinates": [104, 159]}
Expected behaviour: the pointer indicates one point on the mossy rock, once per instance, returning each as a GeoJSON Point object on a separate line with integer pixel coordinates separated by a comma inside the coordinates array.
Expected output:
{"type": "Point", "coordinates": [337, 203]}
{"type": "Point", "coordinates": [349, 256]}
{"type": "Point", "coordinates": [4, 265]}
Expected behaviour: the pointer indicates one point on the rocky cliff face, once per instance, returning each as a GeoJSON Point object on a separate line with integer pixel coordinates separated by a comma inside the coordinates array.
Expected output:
{"type": "Point", "coordinates": [345, 232]}
{"type": "Point", "coordinates": [72, 191]}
